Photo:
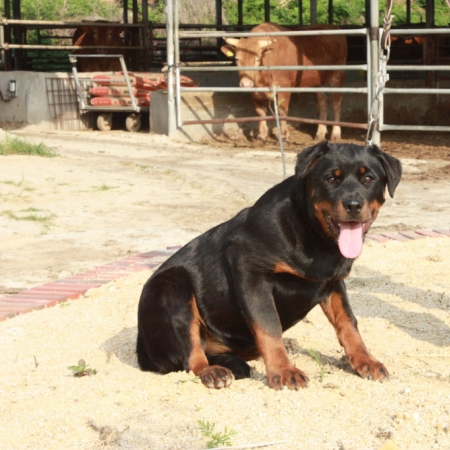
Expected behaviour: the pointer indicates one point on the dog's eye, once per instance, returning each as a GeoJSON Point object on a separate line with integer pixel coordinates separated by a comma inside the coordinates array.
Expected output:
{"type": "Point", "coordinates": [331, 180]}
{"type": "Point", "coordinates": [368, 179]}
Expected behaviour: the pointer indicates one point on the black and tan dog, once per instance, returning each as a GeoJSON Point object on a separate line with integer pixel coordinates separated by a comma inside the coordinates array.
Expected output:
{"type": "Point", "coordinates": [228, 295]}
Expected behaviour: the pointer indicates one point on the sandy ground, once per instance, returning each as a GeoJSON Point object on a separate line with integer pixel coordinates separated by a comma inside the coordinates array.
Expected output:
{"type": "Point", "coordinates": [109, 195]}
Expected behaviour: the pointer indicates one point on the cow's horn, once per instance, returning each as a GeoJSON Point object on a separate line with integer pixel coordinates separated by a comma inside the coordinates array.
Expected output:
{"type": "Point", "coordinates": [232, 41]}
{"type": "Point", "coordinates": [265, 42]}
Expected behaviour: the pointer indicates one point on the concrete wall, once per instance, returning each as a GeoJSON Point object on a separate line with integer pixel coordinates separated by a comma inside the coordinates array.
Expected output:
{"type": "Point", "coordinates": [220, 105]}
{"type": "Point", "coordinates": [30, 106]}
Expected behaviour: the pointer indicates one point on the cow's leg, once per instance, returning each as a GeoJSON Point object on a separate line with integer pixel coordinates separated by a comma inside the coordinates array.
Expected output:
{"type": "Point", "coordinates": [337, 81]}
{"type": "Point", "coordinates": [336, 131]}
{"type": "Point", "coordinates": [284, 99]}
{"type": "Point", "coordinates": [261, 110]}
{"type": "Point", "coordinates": [322, 104]}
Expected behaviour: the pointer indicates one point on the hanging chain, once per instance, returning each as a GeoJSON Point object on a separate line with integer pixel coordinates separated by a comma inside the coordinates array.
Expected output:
{"type": "Point", "coordinates": [382, 77]}
{"type": "Point", "coordinates": [276, 112]}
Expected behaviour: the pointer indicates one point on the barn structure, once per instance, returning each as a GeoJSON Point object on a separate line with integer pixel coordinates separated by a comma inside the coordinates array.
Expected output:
{"type": "Point", "coordinates": [415, 98]}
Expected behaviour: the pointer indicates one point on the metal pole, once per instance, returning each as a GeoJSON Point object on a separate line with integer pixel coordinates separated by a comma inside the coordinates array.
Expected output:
{"type": "Point", "coordinates": [176, 40]}
{"type": "Point", "coordinates": [146, 32]}
{"type": "Point", "coordinates": [313, 12]}
{"type": "Point", "coordinates": [266, 10]}
{"type": "Point", "coordinates": [374, 57]}
{"type": "Point", "coordinates": [240, 13]}
{"type": "Point", "coordinates": [300, 12]}
{"type": "Point", "coordinates": [170, 63]}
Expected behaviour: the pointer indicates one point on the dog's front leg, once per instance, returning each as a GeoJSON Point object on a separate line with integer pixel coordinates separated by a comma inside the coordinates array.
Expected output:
{"type": "Point", "coordinates": [262, 316]}
{"type": "Point", "coordinates": [337, 309]}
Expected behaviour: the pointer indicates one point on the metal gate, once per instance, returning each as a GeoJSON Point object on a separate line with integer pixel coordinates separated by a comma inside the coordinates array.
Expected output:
{"type": "Point", "coordinates": [371, 67]}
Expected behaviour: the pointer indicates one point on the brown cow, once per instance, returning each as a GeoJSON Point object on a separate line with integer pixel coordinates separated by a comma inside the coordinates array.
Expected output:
{"type": "Point", "coordinates": [88, 35]}
{"type": "Point", "coordinates": [290, 51]}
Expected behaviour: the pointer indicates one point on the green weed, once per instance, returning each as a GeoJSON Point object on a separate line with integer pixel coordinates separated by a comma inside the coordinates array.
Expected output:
{"type": "Point", "coordinates": [81, 370]}
{"type": "Point", "coordinates": [103, 187]}
{"type": "Point", "coordinates": [316, 357]}
{"type": "Point", "coordinates": [17, 146]}
{"type": "Point", "coordinates": [441, 301]}
{"type": "Point", "coordinates": [32, 215]}
{"type": "Point", "coordinates": [22, 184]}
{"type": "Point", "coordinates": [218, 438]}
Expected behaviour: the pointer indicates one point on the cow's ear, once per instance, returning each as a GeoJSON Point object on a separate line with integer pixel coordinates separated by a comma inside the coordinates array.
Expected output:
{"type": "Point", "coordinates": [392, 167]}
{"type": "Point", "coordinates": [228, 50]}
{"type": "Point", "coordinates": [307, 159]}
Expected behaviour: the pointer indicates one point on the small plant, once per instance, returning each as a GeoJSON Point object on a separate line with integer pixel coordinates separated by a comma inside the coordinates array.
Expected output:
{"type": "Point", "coordinates": [82, 369]}
{"type": "Point", "coordinates": [16, 146]}
{"type": "Point", "coordinates": [218, 438]}
{"type": "Point", "coordinates": [316, 357]}
{"type": "Point", "coordinates": [103, 187]}
{"type": "Point", "coordinates": [32, 215]}
{"type": "Point", "coordinates": [441, 301]}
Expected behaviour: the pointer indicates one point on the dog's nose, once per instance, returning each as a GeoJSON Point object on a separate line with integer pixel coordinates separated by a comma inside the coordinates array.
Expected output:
{"type": "Point", "coordinates": [353, 207]}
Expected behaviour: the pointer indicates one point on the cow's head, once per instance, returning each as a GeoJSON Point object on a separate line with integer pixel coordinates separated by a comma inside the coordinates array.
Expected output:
{"type": "Point", "coordinates": [99, 35]}
{"type": "Point", "coordinates": [248, 52]}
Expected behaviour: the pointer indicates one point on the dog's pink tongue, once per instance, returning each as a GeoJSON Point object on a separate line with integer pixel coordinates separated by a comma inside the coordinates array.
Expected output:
{"type": "Point", "coordinates": [351, 239]}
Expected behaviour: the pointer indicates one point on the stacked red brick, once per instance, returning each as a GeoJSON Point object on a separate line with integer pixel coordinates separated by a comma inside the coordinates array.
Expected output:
{"type": "Point", "coordinates": [112, 90]}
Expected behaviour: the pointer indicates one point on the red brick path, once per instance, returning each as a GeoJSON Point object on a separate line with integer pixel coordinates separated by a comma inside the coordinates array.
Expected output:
{"type": "Point", "coordinates": [73, 287]}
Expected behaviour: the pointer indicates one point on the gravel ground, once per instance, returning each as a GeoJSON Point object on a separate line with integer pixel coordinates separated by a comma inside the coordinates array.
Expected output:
{"type": "Point", "coordinates": [400, 292]}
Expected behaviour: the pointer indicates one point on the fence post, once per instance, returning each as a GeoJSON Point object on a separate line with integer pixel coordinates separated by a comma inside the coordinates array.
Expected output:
{"type": "Point", "coordinates": [374, 58]}
{"type": "Point", "coordinates": [171, 119]}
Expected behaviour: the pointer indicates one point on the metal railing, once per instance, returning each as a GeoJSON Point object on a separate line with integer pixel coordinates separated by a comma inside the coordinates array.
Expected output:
{"type": "Point", "coordinates": [178, 69]}
{"type": "Point", "coordinates": [416, 91]}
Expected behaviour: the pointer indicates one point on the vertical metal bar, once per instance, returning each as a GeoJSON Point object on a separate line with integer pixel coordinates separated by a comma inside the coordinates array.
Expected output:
{"type": "Point", "coordinates": [127, 81]}
{"type": "Point", "coordinates": [170, 63]}
{"type": "Point", "coordinates": [7, 35]}
{"type": "Point", "coordinates": [125, 11]}
{"type": "Point", "coordinates": [330, 12]}
{"type": "Point", "coordinates": [408, 12]}
{"type": "Point", "coordinates": [428, 43]}
{"type": "Point", "coordinates": [369, 71]}
{"type": "Point", "coordinates": [374, 57]}
{"type": "Point", "coordinates": [240, 13]}
{"type": "Point", "coordinates": [313, 12]}
{"type": "Point", "coordinates": [219, 21]}
{"type": "Point", "coordinates": [176, 27]}
{"type": "Point", "coordinates": [145, 31]}
{"type": "Point", "coordinates": [17, 30]}
{"type": "Point", "coordinates": [266, 10]}
{"type": "Point", "coordinates": [218, 12]}
{"type": "Point", "coordinates": [300, 12]}
{"type": "Point", "coordinates": [73, 60]}
{"type": "Point", "coordinates": [135, 11]}
{"type": "Point", "coordinates": [377, 135]}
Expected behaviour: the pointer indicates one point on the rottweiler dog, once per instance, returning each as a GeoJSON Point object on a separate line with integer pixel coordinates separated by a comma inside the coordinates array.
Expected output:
{"type": "Point", "coordinates": [227, 296]}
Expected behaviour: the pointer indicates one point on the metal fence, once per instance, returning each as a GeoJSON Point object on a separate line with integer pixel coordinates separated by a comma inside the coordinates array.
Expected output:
{"type": "Point", "coordinates": [371, 65]}
{"type": "Point", "coordinates": [357, 67]}
{"type": "Point", "coordinates": [416, 91]}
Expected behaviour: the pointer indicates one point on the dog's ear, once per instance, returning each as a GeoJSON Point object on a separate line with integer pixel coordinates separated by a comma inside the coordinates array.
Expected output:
{"type": "Point", "coordinates": [392, 167]}
{"type": "Point", "coordinates": [308, 158]}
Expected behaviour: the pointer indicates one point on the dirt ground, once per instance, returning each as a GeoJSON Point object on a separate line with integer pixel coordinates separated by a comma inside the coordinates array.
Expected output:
{"type": "Point", "coordinates": [108, 195]}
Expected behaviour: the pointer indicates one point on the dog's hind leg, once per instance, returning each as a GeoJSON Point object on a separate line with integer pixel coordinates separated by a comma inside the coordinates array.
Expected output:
{"type": "Point", "coordinates": [164, 315]}
{"type": "Point", "coordinates": [169, 330]}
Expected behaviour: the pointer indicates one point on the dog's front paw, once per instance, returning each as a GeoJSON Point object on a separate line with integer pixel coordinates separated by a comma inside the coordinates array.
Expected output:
{"type": "Point", "coordinates": [369, 368]}
{"type": "Point", "coordinates": [290, 377]}
{"type": "Point", "coordinates": [216, 377]}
